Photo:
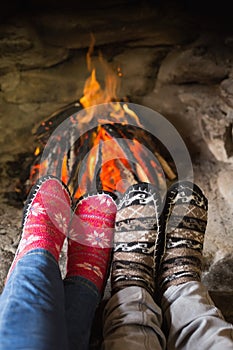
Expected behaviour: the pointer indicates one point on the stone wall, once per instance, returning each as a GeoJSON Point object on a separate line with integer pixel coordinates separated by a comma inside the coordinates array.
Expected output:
{"type": "Point", "coordinates": [173, 60]}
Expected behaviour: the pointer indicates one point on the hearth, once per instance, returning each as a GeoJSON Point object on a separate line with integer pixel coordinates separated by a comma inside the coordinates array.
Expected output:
{"type": "Point", "coordinates": [98, 142]}
{"type": "Point", "coordinates": [174, 61]}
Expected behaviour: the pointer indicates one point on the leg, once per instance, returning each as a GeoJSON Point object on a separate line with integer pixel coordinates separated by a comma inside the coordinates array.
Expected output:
{"type": "Point", "coordinates": [32, 304]}
{"type": "Point", "coordinates": [32, 314]}
{"type": "Point", "coordinates": [191, 318]}
{"type": "Point", "coordinates": [132, 319]}
{"type": "Point", "coordinates": [81, 300]}
{"type": "Point", "coordinates": [89, 253]}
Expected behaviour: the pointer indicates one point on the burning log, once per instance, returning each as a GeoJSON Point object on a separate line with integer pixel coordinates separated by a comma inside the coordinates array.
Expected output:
{"type": "Point", "coordinates": [109, 156]}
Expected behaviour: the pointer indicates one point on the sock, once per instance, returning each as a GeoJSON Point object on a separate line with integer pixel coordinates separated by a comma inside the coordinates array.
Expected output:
{"type": "Point", "coordinates": [91, 239]}
{"type": "Point", "coordinates": [185, 224]}
{"type": "Point", "coordinates": [136, 239]}
{"type": "Point", "coordinates": [46, 218]}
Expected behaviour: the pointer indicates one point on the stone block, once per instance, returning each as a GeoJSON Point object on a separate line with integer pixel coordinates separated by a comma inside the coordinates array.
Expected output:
{"type": "Point", "coordinates": [139, 67]}
{"type": "Point", "coordinates": [21, 47]}
{"type": "Point", "coordinates": [192, 65]}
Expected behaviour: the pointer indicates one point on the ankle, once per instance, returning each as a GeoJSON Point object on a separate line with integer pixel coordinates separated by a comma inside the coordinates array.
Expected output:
{"type": "Point", "coordinates": [90, 239]}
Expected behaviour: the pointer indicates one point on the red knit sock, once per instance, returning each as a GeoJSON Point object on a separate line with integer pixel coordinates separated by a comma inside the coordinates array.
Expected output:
{"type": "Point", "coordinates": [91, 238]}
{"type": "Point", "coordinates": [46, 218]}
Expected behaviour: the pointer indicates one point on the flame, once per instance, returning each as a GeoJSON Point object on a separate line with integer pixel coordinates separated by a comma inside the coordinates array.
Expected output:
{"type": "Point", "coordinates": [37, 169]}
{"type": "Point", "coordinates": [107, 162]}
{"type": "Point", "coordinates": [115, 174]}
{"type": "Point", "coordinates": [37, 151]}
{"type": "Point", "coordinates": [64, 172]}
{"type": "Point", "coordinates": [94, 94]}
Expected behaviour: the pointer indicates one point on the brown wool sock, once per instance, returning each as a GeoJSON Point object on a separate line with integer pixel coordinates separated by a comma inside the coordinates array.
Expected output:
{"type": "Point", "coordinates": [185, 220]}
{"type": "Point", "coordinates": [136, 238]}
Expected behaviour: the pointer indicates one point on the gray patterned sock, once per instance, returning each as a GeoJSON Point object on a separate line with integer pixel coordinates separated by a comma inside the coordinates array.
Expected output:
{"type": "Point", "coordinates": [136, 238]}
{"type": "Point", "coordinates": [185, 220]}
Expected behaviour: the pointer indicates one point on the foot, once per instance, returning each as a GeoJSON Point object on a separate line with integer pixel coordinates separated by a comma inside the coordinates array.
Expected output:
{"type": "Point", "coordinates": [46, 218]}
{"type": "Point", "coordinates": [136, 239]}
{"type": "Point", "coordinates": [185, 220]}
{"type": "Point", "coordinates": [91, 238]}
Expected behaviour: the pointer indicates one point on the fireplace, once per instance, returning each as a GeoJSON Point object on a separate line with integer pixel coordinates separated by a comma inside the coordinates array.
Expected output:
{"type": "Point", "coordinates": [169, 57]}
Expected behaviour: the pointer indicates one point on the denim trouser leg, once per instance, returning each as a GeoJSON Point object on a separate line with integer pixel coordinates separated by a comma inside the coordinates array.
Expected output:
{"type": "Point", "coordinates": [81, 300]}
{"type": "Point", "coordinates": [32, 313]}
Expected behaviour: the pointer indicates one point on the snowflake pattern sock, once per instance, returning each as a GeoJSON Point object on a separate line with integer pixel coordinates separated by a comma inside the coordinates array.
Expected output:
{"type": "Point", "coordinates": [91, 238]}
{"type": "Point", "coordinates": [185, 220]}
{"type": "Point", "coordinates": [46, 218]}
{"type": "Point", "coordinates": [136, 239]}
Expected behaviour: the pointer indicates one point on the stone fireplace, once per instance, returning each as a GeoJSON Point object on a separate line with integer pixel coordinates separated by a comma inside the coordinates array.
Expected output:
{"type": "Point", "coordinates": [176, 59]}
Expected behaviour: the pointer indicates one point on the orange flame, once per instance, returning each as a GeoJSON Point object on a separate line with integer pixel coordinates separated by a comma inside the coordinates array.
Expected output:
{"type": "Point", "coordinates": [114, 174]}
{"type": "Point", "coordinates": [93, 93]}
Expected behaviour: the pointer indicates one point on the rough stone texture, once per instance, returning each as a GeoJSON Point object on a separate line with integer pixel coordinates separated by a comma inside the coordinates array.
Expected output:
{"type": "Point", "coordinates": [226, 91]}
{"type": "Point", "coordinates": [138, 77]}
{"type": "Point", "coordinates": [170, 62]}
{"type": "Point", "coordinates": [215, 119]}
{"type": "Point", "coordinates": [192, 65]}
{"type": "Point", "coordinates": [113, 25]}
{"type": "Point", "coordinates": [225, 184]}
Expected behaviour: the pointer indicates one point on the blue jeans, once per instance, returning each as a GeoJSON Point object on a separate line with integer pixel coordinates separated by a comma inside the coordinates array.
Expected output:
{"type": "Point", "coordinates": [40, 311]}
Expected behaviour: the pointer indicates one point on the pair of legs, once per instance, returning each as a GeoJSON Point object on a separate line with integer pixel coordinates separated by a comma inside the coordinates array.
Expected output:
{"type": "Point", "coordinates": [37, 309]}
{"type": "Point", "coordinates": [40, 311]}
{"type": "Point", "coordinates": [158, 256]}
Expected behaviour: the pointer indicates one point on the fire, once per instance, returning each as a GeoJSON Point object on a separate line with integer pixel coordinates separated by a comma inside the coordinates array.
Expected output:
{"type": "Point", "coordinates": [93, 93]}
{"type": "Point", "coordinates": [98, 160]}
{"type": "Point", "coordinates": [37, 151]}
{"type": "Point", "coordinates": [108, 162]}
